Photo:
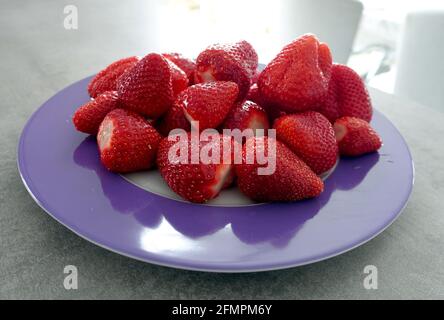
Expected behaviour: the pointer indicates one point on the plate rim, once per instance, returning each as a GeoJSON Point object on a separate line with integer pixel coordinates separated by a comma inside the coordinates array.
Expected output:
{"type": "Point", "coordinates": [160, 260]}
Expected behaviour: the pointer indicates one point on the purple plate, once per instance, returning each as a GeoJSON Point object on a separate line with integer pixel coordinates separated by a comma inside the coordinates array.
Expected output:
{"type": "Point", "coordinates": [61, 170]}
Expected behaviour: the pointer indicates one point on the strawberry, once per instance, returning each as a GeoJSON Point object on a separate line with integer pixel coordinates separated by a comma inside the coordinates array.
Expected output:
{"type": "Point", "coordinates": [106, 80]}
{"type": "Point", "coordinates": [127, 142]}
{"type": "Point", "coordinates": [147, 87]}
{"type": "Point", "coordinates": [235, 62]}
{"type": "Point", "coordinates": [196, 182]}
{"type": "Point", "coordinates": [325, 60]}
{"type": "Point", "coordinates": [255, 76]}
{"type": "Point", "coordinates": [187, 65]}
{"type": "Point", "coordinates": [254, 95]}
{"type": "Point", "coordinates": [173, 119]}
{"type": "Point", "coordinates": [311, 137]}
{"type": "Point", "coordinates": [297, 78]}
{"type": "Point", "coordinates": [330, 106]}
{"type": "Point", "coordinates": [347, 95]}
{"type": "Point", "coordinates": [356, 137]}
{"type": "Point", "coordinates": [208, 103]}
{"type": "Point", "coordinates": [246, 115]}
{"type": "Point", "coordinates": [273, 112]}
{"type": "Point", "coordinates": [178, 77]}
{"type": "Point", "coordinates": [89, 116]}
{"type": "Point", "coordinates": [292, 179]}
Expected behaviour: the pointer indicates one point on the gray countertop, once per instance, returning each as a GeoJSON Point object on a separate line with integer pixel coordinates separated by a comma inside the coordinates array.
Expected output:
{"type": "Point", "coordinates": [38, 57]}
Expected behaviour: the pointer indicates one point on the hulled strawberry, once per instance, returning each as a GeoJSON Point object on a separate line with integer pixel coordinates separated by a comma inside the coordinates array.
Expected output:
{"type": "Point", "coordinates": [127, 142]}
{"type": "Point", "coordinates": [291, 180]}
{"type": "Point", "coordinates": [89, 116]}
{"type": "Point", "coordinates": [147, 87]}
{"type": "Point", "coordinates": [197, 181]}
{"type": "Point", "coordinates": [347, 95]}
{"type": "Point", "coordinates": [208, 103]}
{"type": "Point", "coordinates": [297, 79]}
{"type": "Point", "coordinates": [235, 62]}
{"type": "Point", "coordinates": [311, 137]}
{"type": "Point", "coordinates": [174, 119]}
{"type": "Point", "coordinates": [356, 137]}
{"type": "Point", "coordinates": [106, 80]}
{"type": "Point", "coordinates": [246, 115]}
{"type": "Point", "coordinates": [178, 77]}
{"type": "Point", "coordinates": [187, 65]}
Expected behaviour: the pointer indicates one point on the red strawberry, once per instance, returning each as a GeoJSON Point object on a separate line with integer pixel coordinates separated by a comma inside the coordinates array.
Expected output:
{"type": "Point", "coordinates": [187, 65]}
{"type": "Point", "coordinates": [235, 62]}
{"type": "Point", "coordinates": [254, 95]}
{"type": "Point", "coordinates": [174, 119]}
{"type": "Point", "coordinates": [273, 112]}
{"type": "Point", "coordinates": [297, 79]}
{"type": "Point", "coordinates": [127, 142]}
{"type": "Point", "coordinates": [356, 137]}
{"type": "Point", "coordinates": [256, 76]}
{"type": "Point", "coordinates": [292, 179]}
{"type": "Point", "coordinates": [246, 115]}
{"type": "Point", "coordinates": [88, 117]}
{"type": "Point", "coordinates": [330, 106]}
{"type": "Point", "coordinates": [106, 80]}
{"type": "Point", "coordinates": [347, 95]}
{"type": "Point", "coordinates": [147, 87]}
{"type": "Point", "coordinates": [208, 103]}
{"type": "Point", "coordinates": [311, 137]}
{"type": "Point", "coordinates": [178, 77]}
{"type": "Point", "coordinates": [325, 60]}
{"type": "Point", "coordinates": [196, 182]}
{"type": "Point", "coordinates": [353, 99]}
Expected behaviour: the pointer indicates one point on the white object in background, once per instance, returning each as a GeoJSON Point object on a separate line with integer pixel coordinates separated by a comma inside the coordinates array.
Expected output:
{"type": "Point", "coordinates": [384, 81]}
{"type": "Point", "coordinates": [333, 21]}
{"type": "Point", "coordinates": [420, 62]}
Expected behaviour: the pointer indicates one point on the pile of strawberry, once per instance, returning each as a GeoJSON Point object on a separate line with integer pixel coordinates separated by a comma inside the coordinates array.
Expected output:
{"type": "Point", "coordinates": [319, 109]}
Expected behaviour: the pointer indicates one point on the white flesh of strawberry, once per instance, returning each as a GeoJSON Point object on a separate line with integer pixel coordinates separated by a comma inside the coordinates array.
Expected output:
{"type": "Point", "coordinates": [188, 116]}
{"type": "Point", "coordinates": [207, 75]}
{"type": "Point", "coordinates": [223, 172]}
{"type": "Point", "coordinates": [340, 131]}
{"type": "Point", "coordinates": [104, 135]}
{"type": "Point", "coordinates": [256, 123]}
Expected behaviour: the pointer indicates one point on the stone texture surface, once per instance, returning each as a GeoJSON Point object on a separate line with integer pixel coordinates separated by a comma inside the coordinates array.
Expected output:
{"type": "Point", "coordinates": [38, 57]}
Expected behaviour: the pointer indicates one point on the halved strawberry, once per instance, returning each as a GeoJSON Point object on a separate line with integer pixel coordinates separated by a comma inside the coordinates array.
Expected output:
{"type": "Point", "coordinates": [347, 96]}
{"type": "Point", "coordinates": [246, 115]}
{"type": "Point", "coordinates": [147, 87]}
{"type": "Point", "coordinates": [173, 119]}
{"type": "Point", "coordinates": [356, 137]}
{"type": "Point", "coordinates": [235, 62]}
{"type": "Point", "coordinates": [178, 77]}
{"type": "Point", "coordinates": [196, 182]}
{"type": "Point", "coordinates": [127, 142]}
{"type": "Point", "coordinates": [297, 79]}
{"type": "Point", "coordinates": [208, 103]}
{"type": "Point", "coordinates": [291, 180]}
{"type": "Point", "coordinates": [89, 116]}
{"type": "Point", "coordinates": [187, 65]}
{"type": "Point", "coordinates": [106, 80]}
{"type": "Point", "coordinates": [311, 137]}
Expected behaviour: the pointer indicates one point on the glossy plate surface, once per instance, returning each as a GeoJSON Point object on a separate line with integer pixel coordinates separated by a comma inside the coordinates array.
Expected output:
{"type": "Point", "coordinates": [61, 169]}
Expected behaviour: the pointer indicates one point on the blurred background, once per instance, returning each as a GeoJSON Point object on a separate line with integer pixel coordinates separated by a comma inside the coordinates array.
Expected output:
{"type": "Point", "coordinates": [396, 46]}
